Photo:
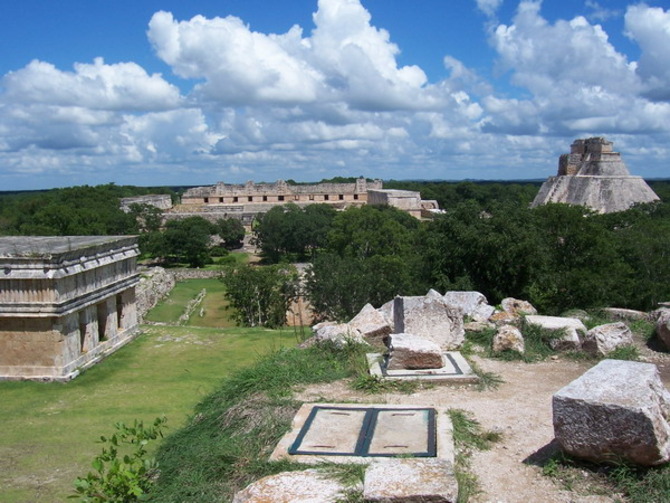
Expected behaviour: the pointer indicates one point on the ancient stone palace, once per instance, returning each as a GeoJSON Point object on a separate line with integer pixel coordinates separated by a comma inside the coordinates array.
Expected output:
{"type": "Point", "coordinates": [245, 201]}
{"type": "Point", "coordinates": [65, 303]}
{"type": "Point", "coordinates": [593, 175]}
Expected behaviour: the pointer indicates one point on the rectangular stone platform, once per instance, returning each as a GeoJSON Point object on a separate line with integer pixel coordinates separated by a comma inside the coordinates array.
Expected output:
{"type": "Point", "coordinates": [456, 370]}
{"type": "Point", "coordinates": [350, 433]}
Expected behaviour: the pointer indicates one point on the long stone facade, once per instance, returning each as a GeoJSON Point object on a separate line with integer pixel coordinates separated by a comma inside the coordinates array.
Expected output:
{"type": "Point", "coordinates": [595, 176]}
{"type": "Point", "coordinates": [65, 303]}
{"type": "Point", "coordinates": [246, 201]}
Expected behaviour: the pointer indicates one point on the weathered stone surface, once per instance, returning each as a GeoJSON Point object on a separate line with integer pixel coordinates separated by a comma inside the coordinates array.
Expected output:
{"type": "Point", "coordinates": [155, 283]}
{"type": "Point", "coordinates": [473, 304]}
{"type": "Point", "coordinates": [604, 339]}
{"type": "Point", "coordinates": [617, 411]}
{"type": "Point", "coordinates": [339, 333]}
{"type": "Point", "coordinates": [408, 351]}
{"type": "Point", "coordinates": [503, 318]}
{"type": "Point", "coordinates": [663, 328]}
{"type": "Point", "coordinates": [408, 480]}
{"type": "Point", "coordinates": [386, 311]}
{"type": "Point", "coordinates": [477, 326]}
{"type": "Point", "coordinates": [517, 307]}
{"type": "Point", "coordinates": [430, 317]}
{"type": "Point", "coordinates": [309, 486]}
{"type": "Point", "coordinates": [508, 337]}
{"type": "Point", "coordinates": [617, 313]}
{"type": "Point", "coordinates": [371, 323]}
{"type": "Point", "coordinates": [571, 331]}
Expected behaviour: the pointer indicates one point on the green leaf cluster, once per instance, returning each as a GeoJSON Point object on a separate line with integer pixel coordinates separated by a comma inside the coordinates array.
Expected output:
{"type": "Point", "coordinates": [122, 471]}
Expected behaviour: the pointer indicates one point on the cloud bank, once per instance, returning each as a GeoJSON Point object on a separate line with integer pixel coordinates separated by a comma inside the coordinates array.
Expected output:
{"type": "Point", "coordinates": [335, 101]}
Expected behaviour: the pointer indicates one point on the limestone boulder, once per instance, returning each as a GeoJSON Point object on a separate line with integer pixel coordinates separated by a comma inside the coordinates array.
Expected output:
{"type": "Point", "coordinates": [569, 331]}
{"type": "Point", "coordinates": [503, 318]}
{"type": "Point", "coordinates": [615, 412]}
{"type": "Point", "coordinates": [517, 307]}
{"type": "Point", "coordinates": [340, 333]}
{"type": "Point", "coordinates": [371, 323]}
{"type": "Point", "coordinates": [604, 339]}
{"type": "Point", "coordinates": [406, 480]}
{"type": "Point", "coordinates": [663, 328]}
{"type": "Point", "coordinates": [617, 313]}
{"type": "Point", "coordinates": [473, 304]}
{"type": "Point", "coordinates": [478, 326]}
{"type": "Point", "coordinates": [430, 317]}
{"type": "Point", "coordinates": [508, 338]}
{"type": "Point", "coordinates": [386, 310]}
{"type": "Point", "coordinates": [408, 351]}
{"type": "Point", "coordinates": [309, 486]}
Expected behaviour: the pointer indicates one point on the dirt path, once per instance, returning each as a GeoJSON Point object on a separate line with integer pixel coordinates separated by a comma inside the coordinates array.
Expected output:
{"type": "Point", "coordinates": [520, 409]}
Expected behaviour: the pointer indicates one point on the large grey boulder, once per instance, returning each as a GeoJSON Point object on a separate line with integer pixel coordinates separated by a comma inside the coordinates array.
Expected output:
{"type": "Point", "coordinates": [371, 323]}
{"type": "Point", "coordinates": [473, 304]}
{"type": "Point", "coordinates": [616, 412]}
{"type": "Point", "coordinates": [508, 338]}
{"type": "Point", "coordinates": [408, 351]}
{"type": "Point", "coordinates": [386, 310]}
{"type": "Point", "coordinates": [618, 313]}
{"type": "Point", "coordinates": [663, 327]}
{"type": "Point", "coordinates": [569, 331]}
{"type": "Point", "coordinates": [309, 486]}
{"type": "Point", "coordinates": [407, 480]}
{"type": "Point", "coordinates": [430, 317]}
{"type": "Point", "coordinates": [604, 339]}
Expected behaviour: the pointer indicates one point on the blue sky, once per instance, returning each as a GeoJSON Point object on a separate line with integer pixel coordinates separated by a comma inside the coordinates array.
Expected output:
{"type": "Point", "coordinates": [171, 92]}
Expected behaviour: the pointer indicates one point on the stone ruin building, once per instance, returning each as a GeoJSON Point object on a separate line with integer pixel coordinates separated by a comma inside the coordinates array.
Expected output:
{"type": "Point", "coordinates": [593, 175]}
{"type": "Point", "coordinates": [160, 201]}
{"type": "Point", "coordinates": [65, 303]}
{"type": "Point", "coordinates": [245, 201]}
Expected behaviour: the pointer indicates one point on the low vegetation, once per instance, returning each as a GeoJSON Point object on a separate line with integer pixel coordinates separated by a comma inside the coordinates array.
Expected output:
{"type": "Point", "coordinates": [226, 444]}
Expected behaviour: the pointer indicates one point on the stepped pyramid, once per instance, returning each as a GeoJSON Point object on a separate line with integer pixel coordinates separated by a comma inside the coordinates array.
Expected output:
{"type": "Point", "coordinates": [593, 175]}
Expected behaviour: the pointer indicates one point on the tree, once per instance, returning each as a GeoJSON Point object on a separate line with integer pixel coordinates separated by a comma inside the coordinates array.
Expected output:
{"type": "Point", "coordinates": [260, 296]}
{"type": "Point", "coordinates": [231, 231]}
{"type": "Point", "coordinates": [186, 240]}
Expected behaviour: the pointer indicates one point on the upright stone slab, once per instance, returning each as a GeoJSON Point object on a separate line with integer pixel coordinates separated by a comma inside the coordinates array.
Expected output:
{"type": "Point", "coordinates": [430, 317]}
{"type": "Point", "coordinates": [663, 327]}
{"type": "Point", "coordinates": [617, 411]}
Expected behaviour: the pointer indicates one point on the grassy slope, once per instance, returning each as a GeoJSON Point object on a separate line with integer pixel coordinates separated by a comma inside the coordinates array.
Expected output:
{"type": "Point", "coordinates": [49, 430]}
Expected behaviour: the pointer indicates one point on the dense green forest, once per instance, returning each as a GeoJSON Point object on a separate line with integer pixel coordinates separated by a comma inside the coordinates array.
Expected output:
{"type": "Point", "coordinates": [556, 256]}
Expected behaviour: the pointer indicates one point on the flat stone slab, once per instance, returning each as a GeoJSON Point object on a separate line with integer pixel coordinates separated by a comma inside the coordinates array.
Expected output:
{"type": "Point", "coordinates": [351, 433]}
{"type": "Point", "coordinates": [404, 480]}
{"type": "Point", "coordinates": [456, 370]}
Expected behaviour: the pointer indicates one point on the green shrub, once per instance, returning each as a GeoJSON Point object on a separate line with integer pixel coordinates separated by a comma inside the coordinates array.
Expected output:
{"type": "Point", "coordinates": [123, 473]}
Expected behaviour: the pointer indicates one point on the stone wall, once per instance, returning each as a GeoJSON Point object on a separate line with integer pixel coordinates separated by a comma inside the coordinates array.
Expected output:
{"type": "Point", "coordinates": [65, 302]}
{"type": "Point", "coordinates": [155, 284]}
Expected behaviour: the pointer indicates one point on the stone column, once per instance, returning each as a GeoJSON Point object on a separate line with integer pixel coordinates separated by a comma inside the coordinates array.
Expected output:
{"type": "Point", "coordinates": [108, 318]}
{"type": "Point", "coordinates": [128, 310]}
{"type": "Point", "coordinates": [88, 328]}
{"type": "Point", "coordinates": [69, 326]}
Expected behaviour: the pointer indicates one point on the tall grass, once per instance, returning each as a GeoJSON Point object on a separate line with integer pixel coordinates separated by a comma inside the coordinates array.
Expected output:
{"type": "Point", "coordinates": [226, 444]}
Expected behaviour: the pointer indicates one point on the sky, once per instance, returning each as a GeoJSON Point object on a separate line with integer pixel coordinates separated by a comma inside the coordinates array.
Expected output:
{"type": "Point", "coordinates": [167, 92]}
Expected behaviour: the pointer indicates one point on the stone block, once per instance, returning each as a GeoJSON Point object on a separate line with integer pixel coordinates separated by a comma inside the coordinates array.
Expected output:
{"type": "Point", "coordinates": [508, 337]}
{"type": "Point", "coordinates": [406, 480]}
{"type": "Point", "coordinates": [430, 317]}
{"type": "Point", "coordinates": [386, 311]}
{"type": "Point", "coordinates": [617, 313]}
{"type": "Point", "coordinates": [408, 351]}
{"type": "Point", "coordinates": [371, 323]}
{"type": "Point", "coordinates": [604, 339]}
{"type": "Point", "coordinates": [339, 333]}
{"type": "Point", "coordinates": [309, 486]}
{"type": "Point", "coordinates": [663, 327]}
{"type": "Point", "coordinates": [473, 304]}
{"type": "Point", "coordinates": [517, 307]}
{"type": "Point", "coordinates": [571, 331]}
{"type": "Point", "coordinates": [615, 412]}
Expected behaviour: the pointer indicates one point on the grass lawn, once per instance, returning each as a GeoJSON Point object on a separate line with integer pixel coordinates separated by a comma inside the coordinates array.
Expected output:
{"type": "Point", "coordinates": [49, 430]}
